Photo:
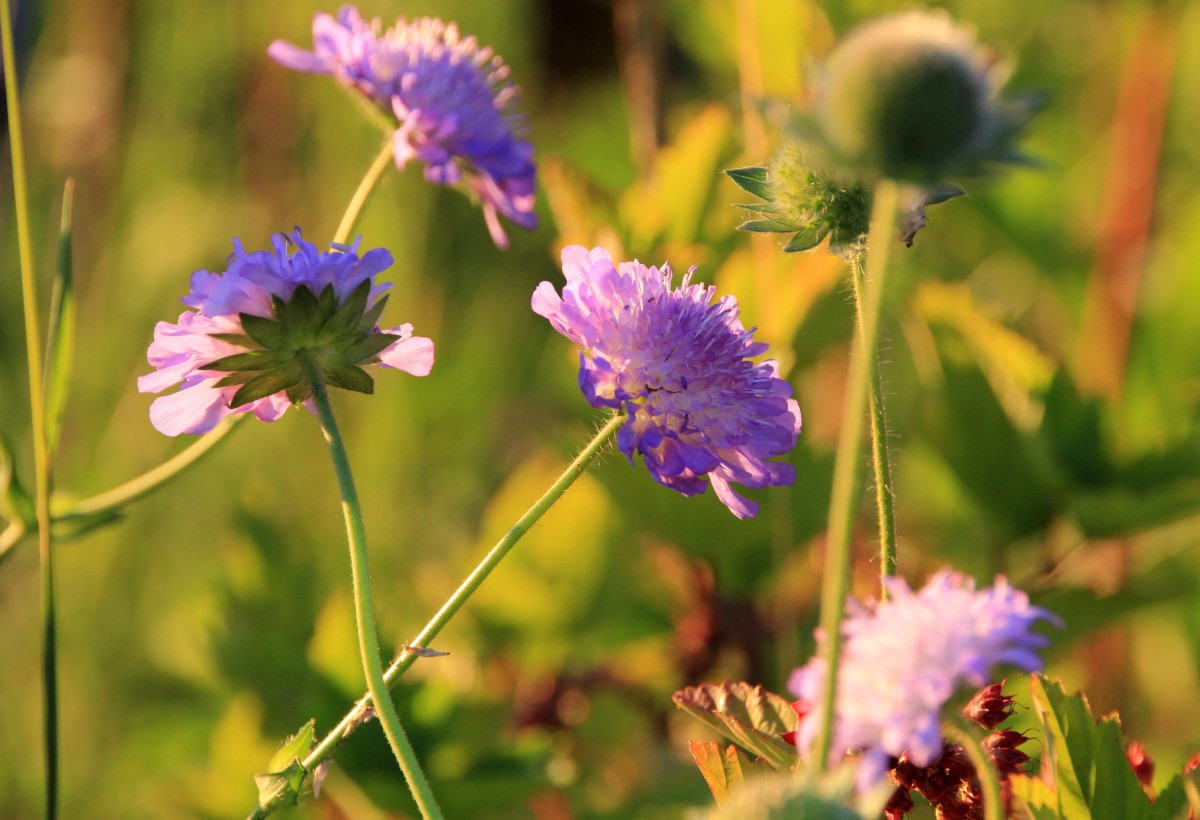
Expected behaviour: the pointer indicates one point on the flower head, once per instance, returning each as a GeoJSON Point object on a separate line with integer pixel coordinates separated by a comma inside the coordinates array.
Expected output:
{"type": "Point", "coordinates": [905, 657]}
{"type": "Point", "coordinates": [257, 328]}
{"type": "Point", "coordinates": [680, 366]}
{"type": "Point", "coordinates": [911, 97]}
{"type": "Point", "coordinates": [451, 98]}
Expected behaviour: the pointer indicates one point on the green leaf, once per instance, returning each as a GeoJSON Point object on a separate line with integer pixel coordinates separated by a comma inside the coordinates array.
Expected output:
{"type": "Point", "coordinates": [266, 384]}
{"type": "Point", "coordinates": [748, 715]}
{"type": "Point", "coordinates": [16, 504]}
{"type": "Point", "coordinates": [301, 317]}
{"type": "Point", "coordinates": [722, 770]}
{"type": "Point", "coordinates": [252, 360]}
{"type": "Point", "coordinates": [296, 747]}
{"type": "Point", "coordinates": [349, 377]}
{"type": "Point", "coordinates": [805, 239]}
{"type": "Point", "coordinates": [265, 332]}
{"type": "Point", "coordinates": [234, 339]}
{"type": "Point", "coordinates": [1170, 802]}
{"type": "Point", "coordinates": [753, 179]}
{"type": "Point", "coordinates": [1091, 778]}
{"type": "Point", "coordinates": [346, 317]}
{"type": "Point", "coordinates": [766, 226]}
{"type": "Point", "coordinates": [327, 300]}
{"type": "Point", "coordinates": [60, 336]}
{"type": "Point", "coordinates": [299, 392]}
{"type": "Point", "coordinates": [368, 320]}
{"type": "Point", "coordinates": [1038, 796]}
{"type": "Point", "coordinates": [366, 348]}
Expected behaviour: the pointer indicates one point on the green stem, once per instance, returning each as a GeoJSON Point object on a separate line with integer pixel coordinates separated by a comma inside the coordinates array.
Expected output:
{"type": "Point", "coordinates": [842, 502]}
{"type": "Point", "coordinates": [131, 490]}
{"type": "Point", "coordinates": [369, 180]}
{"type": "Point", "coordinates": [41, 454]}
{"type": "Point", "coordinates": [148, 482]}
{"type": "Point", "coordinates": [989, 780]}
{"type": "Point", "coordinates": [473, 581]}
{"type": "Point", "coordinates": [364, 607]}
{"type": "Point", "coordinates": [884, 495]}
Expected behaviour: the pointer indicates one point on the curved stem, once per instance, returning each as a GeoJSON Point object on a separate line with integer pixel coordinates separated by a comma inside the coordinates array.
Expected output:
{"type": "Point", "coordinates": [881, 462]}
{"type": "Point", "coordinates": [989, 781]}
{"type": "Point", "coordinates": [37, 407]}
{"type": "Point", "coordinates": [365, 187]}
{"type": "Point", "coordinates": [364, 608]}
{"type": "Point", "coordinates": [411, 652]}
{"type": "Point", "coordinates": [842, 503]}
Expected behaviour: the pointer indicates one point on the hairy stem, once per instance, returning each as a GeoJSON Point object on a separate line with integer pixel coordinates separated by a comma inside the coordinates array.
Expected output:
{"type": "Point", "coordinates": [454, 603]}
{"type": "Point", "coordinates": [880, 461]}
{"type": "Point", "coordinates": [364, 607]}
{"type": "Point", "coordinates": [842, 504]}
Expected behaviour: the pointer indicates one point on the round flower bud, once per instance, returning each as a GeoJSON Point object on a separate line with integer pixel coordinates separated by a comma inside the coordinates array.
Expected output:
{"type": "Point", "coordinates": [909, 97]}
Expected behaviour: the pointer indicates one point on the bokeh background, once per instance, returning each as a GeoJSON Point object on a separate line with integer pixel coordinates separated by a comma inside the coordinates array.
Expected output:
{"type": "Point", "coordinates": [1042, 369]}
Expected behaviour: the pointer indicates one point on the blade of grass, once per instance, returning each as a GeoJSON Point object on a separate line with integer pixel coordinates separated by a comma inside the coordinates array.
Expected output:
{"type": "Point", "coordinates": [41, 455]}
{"type": "Point", "coordinates": [60, 335]}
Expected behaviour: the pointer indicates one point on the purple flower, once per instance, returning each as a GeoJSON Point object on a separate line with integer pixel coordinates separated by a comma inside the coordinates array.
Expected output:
{"type": "Point", "coordinates": [679, 366]}
{"type": "Point", "coordinates": [903, 658]}
{"type": "Point", "coordinates": [242, 348]}
{"type": "Point", "coordinates": [452, 99]}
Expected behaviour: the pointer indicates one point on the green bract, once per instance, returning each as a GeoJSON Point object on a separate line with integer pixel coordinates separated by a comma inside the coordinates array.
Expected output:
{"type": "Point", "coordinates": [339, 338]}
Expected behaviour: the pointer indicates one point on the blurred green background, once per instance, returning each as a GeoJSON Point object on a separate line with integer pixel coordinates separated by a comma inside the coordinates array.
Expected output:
{"type": "Point", "coordinates": [1042, 367]}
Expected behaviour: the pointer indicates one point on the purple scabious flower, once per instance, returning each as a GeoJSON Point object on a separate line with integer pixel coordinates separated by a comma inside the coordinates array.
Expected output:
{"type": "Point", "coordinates": [240, 350]}
{"type": "Point", "coordinates": [904, 658]}
{"type": "Point", "coordinates": [452, 98]}
{"type": "Point", "coordinates": [680, 367]}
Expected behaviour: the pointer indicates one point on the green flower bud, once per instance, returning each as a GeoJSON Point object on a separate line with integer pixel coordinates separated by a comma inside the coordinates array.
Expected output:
{"type": "Point", "coordinates": [911, 97]}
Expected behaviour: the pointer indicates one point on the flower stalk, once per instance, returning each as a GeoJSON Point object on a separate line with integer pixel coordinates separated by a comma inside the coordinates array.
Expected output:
{"type": "Point", "coordinates": [455, 602]}
{"type": "Point", "coordinates": [880, 460]}
{"type": "Point", "coordinates": [836, 581]}
{"type": "Point", "coordinates": [364, 608]}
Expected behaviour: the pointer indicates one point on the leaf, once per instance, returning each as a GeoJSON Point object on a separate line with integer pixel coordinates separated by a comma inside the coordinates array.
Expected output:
{"type": "Point", "coordinates": [748, 715]}
{"type": "Point", "coordinates": [347, 316]}
{"type": "Point", "coordinates": [365, 349]}
{"type": "Point", "coordinates": [60, 335]}
{"type": "Point", "coordinates": [753, 179]}
{"type": "Point", "coordinates": [16, 504]}
{"type": "Point", "coordinates": [301, 317]}
{"type": "Point", "coordinates": [265, 332]}
{"type": "Point", "coordinates": [722, 770]}
{"type": "Point", "coordinates": [284, 782]}
{"type": "Point", "coordinates": [266, 384]}
{"type": "Point", "coordinates": [1090, 775]}
{"type": "Point", "coordinates": [766, 226]}
{"type": "Point", "coordinates": [234, 339]}
{"type": "Point", "coordinates": [350, 377]}
{"type": "Point", "coordinates": [251, 360]}
{"type": "Point", "coordinates": [806, 238]}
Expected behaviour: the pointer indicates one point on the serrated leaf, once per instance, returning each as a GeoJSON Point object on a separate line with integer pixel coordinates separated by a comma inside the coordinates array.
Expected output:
{"type": "Point", "coordinates": [721, 768]}
{"type": "Point", "coordinates": [1091, 774]}
{"type": "Point", "coordinates": [349, 377]}
{"type": "Point", "coordinates": [265, 332]}
{"type": "Point", "coordinates": [1170, 802]}
{"type": "Point", "coordinates": [806, 239]}
{"type": "Point", "coordinates": [748, 715]}
{"type": "Point", "coordinates": [60, 335]}
{"type": "Point", "coordinates": [766, 226]}
{"type": "Point", "coordinates": [753, 179]}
